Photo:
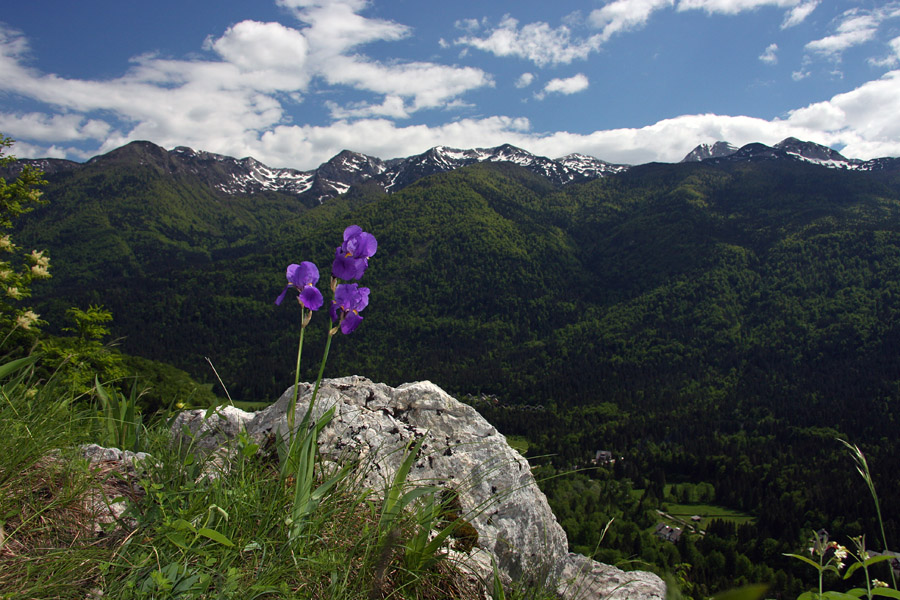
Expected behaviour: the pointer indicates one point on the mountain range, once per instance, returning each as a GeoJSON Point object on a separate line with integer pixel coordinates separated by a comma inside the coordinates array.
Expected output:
{"type": "Point", "coordinates": [718, 320]}
{"type": "Point", "coordinates": [232, 176]}
{"type": "Point", "coordinates": [789, 149]}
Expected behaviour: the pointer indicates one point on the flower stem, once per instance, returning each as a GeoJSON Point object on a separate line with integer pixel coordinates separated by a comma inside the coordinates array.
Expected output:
{"type": "Point", "coordinates": [293, 407]}
{"type": "Point", "coordinates": [321, 369]}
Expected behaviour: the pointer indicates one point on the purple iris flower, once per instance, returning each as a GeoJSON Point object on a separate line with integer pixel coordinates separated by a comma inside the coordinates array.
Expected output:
{"type": "Point", "coordinates": [349, 300]}
{"type": "Point", "coordinates": [352, 257]}
{"type": "Point", "coordinates": [303, 277]}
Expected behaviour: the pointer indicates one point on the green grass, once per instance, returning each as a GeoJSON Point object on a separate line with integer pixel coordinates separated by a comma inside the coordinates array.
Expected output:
{"type": "Point", "coordinates": [519, 443]}
{"type": "Point", "coordinates": [183, 535]}
{"type": "Point", "coordinates": [708, 512]}
{"type": "Point", "coordinates": [681, 513]}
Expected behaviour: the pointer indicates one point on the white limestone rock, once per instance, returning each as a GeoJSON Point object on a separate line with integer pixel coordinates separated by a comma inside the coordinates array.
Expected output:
{"type": "Point", "coordinates": [586, 579]}
{"type": "Point", "coordinates": [375, 423]}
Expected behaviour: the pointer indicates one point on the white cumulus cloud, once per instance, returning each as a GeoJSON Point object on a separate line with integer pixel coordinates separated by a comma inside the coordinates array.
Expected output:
{"type": "Point", "coordinates": [234, 99]}
{"type": "Point", "coordinates": [53, 128]}
{"type": "Point", "coordinates": [570, 85]}
{"type": "Point", "coordinates": [545, 45]}
{"type": "Point", "coordinates": [855, 29]}
{"type": "Point", "coordinates": [538, 42]}
{"type": "Point", "coordinates": [624, 15]}
{"type": "Point", "coordinates": [733, 7]}
{"type": "Point", "coordinates": [770, 55]}
{"type": "Point", "coordinates": [892, 59]}
{"type": "Point", "coordinates": [524, 80]}
{"type": "Point", "coordinates": [224, 101]}
{"type": "Point", "coordinates": [799, 13]}
{"type": "Point", "coordinates": [252, 45]}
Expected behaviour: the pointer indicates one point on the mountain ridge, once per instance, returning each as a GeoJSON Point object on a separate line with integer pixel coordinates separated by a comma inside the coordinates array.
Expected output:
{"type": "Point", "coordinates": [246, 176]}
{"type": "Point", "coordinates": [788, 149]}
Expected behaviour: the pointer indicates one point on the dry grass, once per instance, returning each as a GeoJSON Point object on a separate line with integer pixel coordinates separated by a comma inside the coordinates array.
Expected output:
{"type": "Point", "coordinates": [58, 527]}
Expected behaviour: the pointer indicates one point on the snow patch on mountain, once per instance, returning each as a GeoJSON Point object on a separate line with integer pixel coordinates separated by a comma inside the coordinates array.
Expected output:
{"type": "Point", "coordinates": [705, 151]}
{"type": "Point", "coordinates": [337, 176]}
{"type": "Point", "coordinates": [788, 149]}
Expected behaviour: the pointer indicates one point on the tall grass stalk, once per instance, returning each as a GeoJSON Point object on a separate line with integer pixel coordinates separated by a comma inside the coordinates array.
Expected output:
{"type": "Point", "coordinates": [862, 467]}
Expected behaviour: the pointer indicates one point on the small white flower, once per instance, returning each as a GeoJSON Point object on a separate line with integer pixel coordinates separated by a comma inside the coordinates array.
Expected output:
{"type": "Point", "coordinates": [38, 258]}
{"type": "Point", "coordinates": [27, 319]}
{"type": "Point", "coordinates": [879, 583]}
{"type": "Point", "coordinates": [40, 271]}
{"type": "Point", "coordinates": [840, 553]}
{"type": "Point", "coordinates": [13, 292]}
{"type": "Point", "coordinates": [6, 243]}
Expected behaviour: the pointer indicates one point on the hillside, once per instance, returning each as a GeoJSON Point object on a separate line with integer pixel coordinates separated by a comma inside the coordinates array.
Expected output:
{"type": "Point", "coordinates": [719, 321]}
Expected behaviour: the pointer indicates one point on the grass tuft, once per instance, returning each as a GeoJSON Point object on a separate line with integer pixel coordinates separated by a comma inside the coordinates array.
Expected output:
{"type": "Point", "coordinates": [179, 533]}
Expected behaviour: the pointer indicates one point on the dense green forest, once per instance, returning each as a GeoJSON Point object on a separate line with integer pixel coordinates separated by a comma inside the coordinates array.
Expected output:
{"type": "Point", "coordinates": [713, 325]}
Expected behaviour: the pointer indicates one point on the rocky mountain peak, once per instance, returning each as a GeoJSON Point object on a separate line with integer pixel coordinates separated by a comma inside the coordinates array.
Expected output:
{"type": "Point", "coordinates": [336, 176]}
{"type": "Point", "coordinates": [588, 166]}
{"type": "Point", "coordinates": [139, 152]}
{"type": "Point", "coordinates": [812, 152]}
{"type": "Point", "coordinates": [705, 151]}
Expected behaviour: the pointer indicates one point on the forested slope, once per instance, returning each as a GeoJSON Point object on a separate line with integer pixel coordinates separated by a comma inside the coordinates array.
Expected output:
{"type": "Point", "coordinates": [717, 323]}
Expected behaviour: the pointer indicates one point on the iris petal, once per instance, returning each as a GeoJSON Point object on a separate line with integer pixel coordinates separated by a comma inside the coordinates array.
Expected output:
{"type": "Point", "coordinates": [311, 297]}
{"type": "Point", "coordinates": [368, 245]}
{"type": "Point", "coordinates": [307, 273]}
{"type": "Point", "coordinates": [347, 267]}
{"type": "Point", "coordinates": [303, 277]}
{"type": "Point", "coordinates": [351, 231]}
{"type": "Point", "coordinates": [291, 273]}
{"type": "Point", "coordinates": [283, 293]}
{"type": "Point", "coordinates": [350, 322]}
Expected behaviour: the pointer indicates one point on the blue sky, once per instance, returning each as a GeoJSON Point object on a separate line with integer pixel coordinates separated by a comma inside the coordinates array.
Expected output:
{"type": "Point", "coordinates": [294, 82]}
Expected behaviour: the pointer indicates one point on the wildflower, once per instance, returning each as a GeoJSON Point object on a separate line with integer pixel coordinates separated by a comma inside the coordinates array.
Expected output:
{"type": "Point", "coordinates": [5, 274]}
{"type": "Point", "coordinates": [879, 583]}
{"type": "Point", "coordinates": [39, 259]}
{"type": "Point", "coordinates": [303, 277]}
{"type": "Point", "coordinates": [352, 257]}
{"type": "Point", "coordinates": [6, 243]}
{"type": "Point", "coordinates": [840, 553]}
{"type": "Point", "coordinates": [40, 271]}
{"type": "Point", "coordinates": [13, 292]}
{"type": "Point", "coordinates": [349, 300]}
{"type": "Point", "coordinates": [27, 319]}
